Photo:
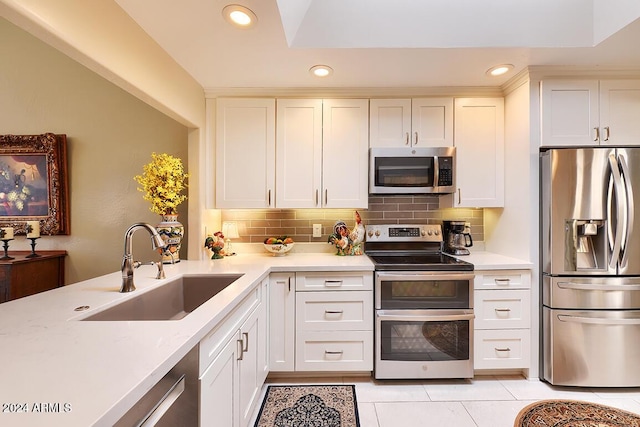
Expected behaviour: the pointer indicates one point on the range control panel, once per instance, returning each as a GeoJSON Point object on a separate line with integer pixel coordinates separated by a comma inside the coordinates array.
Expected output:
{"type": "Point", "coordinates": [404, 233]}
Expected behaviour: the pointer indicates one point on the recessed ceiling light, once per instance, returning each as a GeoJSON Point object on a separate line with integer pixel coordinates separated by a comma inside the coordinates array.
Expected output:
{"type": "Point", "coordinates": [321, 70]}
{"type": "Point", "coordinates": [239, 16]}
{"type": "Point", "coordinates": [499, 70]}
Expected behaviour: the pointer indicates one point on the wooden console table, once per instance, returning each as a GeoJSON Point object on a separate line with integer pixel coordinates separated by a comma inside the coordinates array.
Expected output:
{"type": "Point", "coordinates": [22, 276]}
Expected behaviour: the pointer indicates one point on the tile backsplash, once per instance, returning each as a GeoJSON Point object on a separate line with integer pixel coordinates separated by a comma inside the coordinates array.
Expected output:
{"type": "Point", "coordinates": [255, 225]}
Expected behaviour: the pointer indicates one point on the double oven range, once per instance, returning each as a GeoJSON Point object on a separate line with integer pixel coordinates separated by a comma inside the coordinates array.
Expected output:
{"type": "Point", "coordinates": [423, 304]}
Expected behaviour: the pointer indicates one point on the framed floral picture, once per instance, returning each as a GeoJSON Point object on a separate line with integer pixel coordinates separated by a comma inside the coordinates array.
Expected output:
{"type": "Point", "coordinates": [33, 182]}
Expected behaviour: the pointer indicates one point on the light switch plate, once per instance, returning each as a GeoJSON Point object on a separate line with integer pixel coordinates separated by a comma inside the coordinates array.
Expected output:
{"type": "Point", "coordinates": [317, 230]}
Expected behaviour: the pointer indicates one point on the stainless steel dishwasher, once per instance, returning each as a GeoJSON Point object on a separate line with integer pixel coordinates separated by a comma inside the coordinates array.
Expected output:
{"type": "Point", "coordinates": [172, 402]}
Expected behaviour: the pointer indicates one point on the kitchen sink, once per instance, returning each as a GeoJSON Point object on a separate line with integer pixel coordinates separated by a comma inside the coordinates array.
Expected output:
{"type": "Point", "coordinates": [171, 301]}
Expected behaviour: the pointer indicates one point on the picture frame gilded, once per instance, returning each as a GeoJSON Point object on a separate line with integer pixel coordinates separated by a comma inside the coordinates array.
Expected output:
{"type": "Point", "coordinates": [34, 183]}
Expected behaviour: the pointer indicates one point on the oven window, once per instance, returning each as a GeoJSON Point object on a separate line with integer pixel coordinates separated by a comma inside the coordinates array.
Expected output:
{"type": "Point", "coordinates": [424, 294]}
{"type": "Point", "coordinates": [404, 172]}
{"type": "Point", "coordinates": [424, 341]}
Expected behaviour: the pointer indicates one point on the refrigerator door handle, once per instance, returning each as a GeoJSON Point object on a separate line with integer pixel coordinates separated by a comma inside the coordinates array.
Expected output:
{"type": "Point", "coordinates": [598, 320]}
{"type": "Point", "coordinates": [630, 208]}
{"type": "Point", "coordinates": [617, 185]}
{"type": "Point", "coordinates": [597, 286]}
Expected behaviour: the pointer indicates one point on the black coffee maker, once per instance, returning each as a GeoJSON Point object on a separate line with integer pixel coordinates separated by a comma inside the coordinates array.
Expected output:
{"type": "Point", "coordinates": [456, 240]}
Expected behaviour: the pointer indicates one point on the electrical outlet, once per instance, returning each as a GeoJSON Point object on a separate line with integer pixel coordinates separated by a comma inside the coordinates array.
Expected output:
{"type": "Point", "coordinates": [317, 230]}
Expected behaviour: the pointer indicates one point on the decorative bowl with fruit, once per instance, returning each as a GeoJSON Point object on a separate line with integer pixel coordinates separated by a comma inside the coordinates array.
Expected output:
{"type": "Point", "coordinates": [278, 246]}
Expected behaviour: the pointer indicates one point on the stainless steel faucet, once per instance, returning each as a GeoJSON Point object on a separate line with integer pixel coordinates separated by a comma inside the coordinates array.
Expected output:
{"type": "Point", "coordinates": [127, 258]}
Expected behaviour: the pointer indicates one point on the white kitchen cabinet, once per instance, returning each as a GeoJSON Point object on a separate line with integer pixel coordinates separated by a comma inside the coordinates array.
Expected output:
{"type": "Point", "coordinates": [334, 322]}
{"type": "Point", "coordinates": [345, 162]}
{"type": "Point", "coordinates": [321, 153]}
{"type": "Point", "coordinates": [479, 142]}
{"type": "Point", "coordinates": [219, 395]}
{"type": "Point", "coordinates": [282, 300]}
{"type": "Point", "coordinates": [419, 122]}
{"type": "Point", "coordinates": [233, 363]}
{"type": "Point", "coordinates": [502, 306]}
{"type": "Point", "coordinates": [321, 321]}
{"type": "Point", "coordinates": [245, 153]}
{"type": "Point", "coordinates": [590, 112]}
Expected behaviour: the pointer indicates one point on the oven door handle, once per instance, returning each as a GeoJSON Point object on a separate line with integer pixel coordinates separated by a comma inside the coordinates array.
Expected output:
{"type": "Point", "coordinates": [425, 315]}
{"type": "Point", "coordinates": [422, 275]}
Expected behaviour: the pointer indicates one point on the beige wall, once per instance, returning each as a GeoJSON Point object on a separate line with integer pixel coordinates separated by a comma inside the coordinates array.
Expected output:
{"type": "Point", "coordinates": [110, 136]}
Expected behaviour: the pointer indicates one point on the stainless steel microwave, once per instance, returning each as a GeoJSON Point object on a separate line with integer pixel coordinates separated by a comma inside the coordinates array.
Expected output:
{"type": "Point", "coordinates": [410, 170]}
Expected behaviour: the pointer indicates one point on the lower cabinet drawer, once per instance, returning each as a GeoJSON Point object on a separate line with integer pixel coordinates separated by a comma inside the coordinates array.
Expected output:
{"type": "Point", "coordinates": [501, 349]}
{"type": "Point", "coordinates": [332, 311]}
{"type": "Point", "coordinates": [502, 309]}
{"type": "Point", "coordinates": [334, 351]}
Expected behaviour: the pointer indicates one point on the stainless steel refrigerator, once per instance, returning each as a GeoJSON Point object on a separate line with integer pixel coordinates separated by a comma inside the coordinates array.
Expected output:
{"type": "Point", "coordinates": [590, 259]}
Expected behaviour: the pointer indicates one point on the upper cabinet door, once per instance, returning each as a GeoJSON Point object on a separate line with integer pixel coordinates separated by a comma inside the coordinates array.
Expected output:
{"type": "Point", "coordinates": [420, 122]}
{"type": "Point", "coordinates": [298, 153]}
{"type": "Point", "coordinates": [432, 122]}
{"type": "Point", "coordinates": [570, 112]}
{"type": "Point", "coordinates": [245, 153]}
{"type": "Point", "coordinates": [479, 154]}
{"type": "Point", "coordinates": [620, 112]}
{"type": "Point", "coordinates": [345, 153]}
{"type": "Point", "coordinates": [390, 123]}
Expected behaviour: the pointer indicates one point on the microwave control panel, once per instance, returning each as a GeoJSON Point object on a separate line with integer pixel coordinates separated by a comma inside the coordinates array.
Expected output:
{"type": "Point", "coordinates": [445, 171]}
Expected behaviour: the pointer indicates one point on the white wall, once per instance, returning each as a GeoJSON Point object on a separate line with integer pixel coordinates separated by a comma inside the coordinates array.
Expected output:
{"type": "Point", "coordinates": [111, 135]}
{"type": "Point", "coordinates": [507, 230]}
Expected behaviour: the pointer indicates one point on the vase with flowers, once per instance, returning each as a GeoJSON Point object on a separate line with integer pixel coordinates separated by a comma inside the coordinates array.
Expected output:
{"type": "Point", "coordinates": [162, 181]}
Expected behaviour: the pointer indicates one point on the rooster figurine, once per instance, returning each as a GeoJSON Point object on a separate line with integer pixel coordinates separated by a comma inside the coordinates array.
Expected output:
{"type": "Point", "coordinates": [357, 234]}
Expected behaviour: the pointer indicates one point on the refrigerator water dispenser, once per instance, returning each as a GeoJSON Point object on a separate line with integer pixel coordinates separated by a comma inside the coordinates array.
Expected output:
{"type": "Point", "coordinates": [585, 245]}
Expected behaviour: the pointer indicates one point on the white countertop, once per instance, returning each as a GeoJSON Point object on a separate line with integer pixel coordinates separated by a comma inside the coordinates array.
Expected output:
{"type": "Point", "coordinates": [482, 260]}
{"type": "Point", "coordinates": [96, 371]}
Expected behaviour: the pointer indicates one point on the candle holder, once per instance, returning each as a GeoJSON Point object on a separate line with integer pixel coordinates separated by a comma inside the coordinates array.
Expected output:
{"type": "Point", "coordinates": [6, 249]}
{"type": "Point", "coordinates": [33, 253]}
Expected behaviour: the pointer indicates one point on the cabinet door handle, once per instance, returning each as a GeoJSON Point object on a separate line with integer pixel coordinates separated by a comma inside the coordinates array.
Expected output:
{"type": "Point", "coordinates": [326, 197]}
{"type": "Point", "coordinates": [502, 349]}
{"type": "Point", "coordinates": [606, 133]}
{"type": "Point", "coordinates": [406, 139]}
{"type": "Point", "coordinates": [416, 143]}
{"type": "Point", "coordinates": [333, 283]}
{"type": "Point", "coordinates": [240, 345]}
{"type": "Point", "coordinates": [245, 338]}
{"type": "Point", "coordinates": [289, 282]}
{"type": "Point", "coordinates": [269, 198]}
{"type": "Point", "coordinates": [459, 196]}
{"type": "Point", "coordinates": [596, 134]}
{"type": "Point", "coordinates": [316, 197]}
{"type": "Point", "coordinates": [502, 281]}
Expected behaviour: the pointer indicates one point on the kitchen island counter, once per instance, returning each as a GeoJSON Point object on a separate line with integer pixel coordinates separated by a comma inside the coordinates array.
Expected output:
{"type": "Point", "coordinates": [58, 370]}
{"type": "Point", "coordinates": [483, 260]}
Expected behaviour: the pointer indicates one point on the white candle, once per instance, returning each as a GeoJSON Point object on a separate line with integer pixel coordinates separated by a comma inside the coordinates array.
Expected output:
{"type": "Point", "coordinates": [35, 229]}
{"type": "Point", "coordinates": [8, 232]}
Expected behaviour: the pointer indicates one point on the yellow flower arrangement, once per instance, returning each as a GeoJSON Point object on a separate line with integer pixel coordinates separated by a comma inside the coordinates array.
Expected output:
{"type": "Point", "coordinates": [162, 181]}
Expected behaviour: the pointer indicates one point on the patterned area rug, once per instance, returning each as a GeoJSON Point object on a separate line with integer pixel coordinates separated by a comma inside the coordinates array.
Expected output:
{"type": "Point", "coordinates": [309, 406]}
{"type": "Point", "coordinates": [573, 413]}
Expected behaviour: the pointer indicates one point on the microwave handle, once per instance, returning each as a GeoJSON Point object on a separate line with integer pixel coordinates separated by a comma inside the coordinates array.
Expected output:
{"type": "Point", "coordinates": [436, 171]}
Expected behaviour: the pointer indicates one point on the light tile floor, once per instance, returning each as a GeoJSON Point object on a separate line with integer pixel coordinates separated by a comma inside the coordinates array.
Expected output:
{"type": "Point", "coordinates": [487, 401]}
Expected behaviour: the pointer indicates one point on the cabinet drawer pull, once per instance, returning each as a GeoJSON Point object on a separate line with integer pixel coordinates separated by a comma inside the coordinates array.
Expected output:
{"type": "Point", "coordinates": [245, 338]}
{"type": "Point", "coordinates": [502, 349]}
{"type": "Point", "coordinates": [333, 352]}
{"type": "Point", "coordinates": [333, 283]}
{"type": "Point", "coordinates": [502, 282]}
{"type": "Point", "coordinates": [239, 348]}
{"type": "Point", "coordinates": [333, 311]}
{"type": "Point", "coordinates": [502, 309]}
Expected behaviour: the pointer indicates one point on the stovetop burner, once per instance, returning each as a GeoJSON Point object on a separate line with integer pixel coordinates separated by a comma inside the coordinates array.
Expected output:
{"type": "Point", "coordinates": [410, 248]}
